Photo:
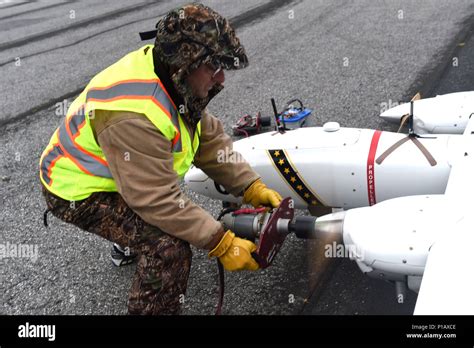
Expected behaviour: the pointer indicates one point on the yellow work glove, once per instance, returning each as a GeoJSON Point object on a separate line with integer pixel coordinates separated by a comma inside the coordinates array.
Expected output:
{"type": "Point", "coordinates": [259, 194]}
{"type": "Point", "coordinates": [235, 253]}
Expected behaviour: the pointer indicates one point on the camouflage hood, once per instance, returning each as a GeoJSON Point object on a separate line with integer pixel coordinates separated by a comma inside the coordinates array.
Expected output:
{"type": "Point", "coordinates": [193, 35]}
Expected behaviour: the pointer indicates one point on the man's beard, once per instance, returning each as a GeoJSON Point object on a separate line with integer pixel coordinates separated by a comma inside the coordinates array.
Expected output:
{"type": "Point", "coordinates": [193, 104]}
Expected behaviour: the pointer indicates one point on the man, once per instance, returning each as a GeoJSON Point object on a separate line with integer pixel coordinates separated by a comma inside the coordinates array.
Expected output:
{"type": "Point", "coordinates": [113, 166]}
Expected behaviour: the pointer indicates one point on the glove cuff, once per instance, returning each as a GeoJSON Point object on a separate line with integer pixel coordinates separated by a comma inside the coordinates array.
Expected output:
{"type": "Point", "coordinates": [250, 191]}
{"type": "Point", "coordinates": [223, 245]}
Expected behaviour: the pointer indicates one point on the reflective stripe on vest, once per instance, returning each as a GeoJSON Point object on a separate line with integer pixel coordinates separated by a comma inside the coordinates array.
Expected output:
{"type": "Point", "coordinates": [48, 162]}
{"type": "Point", "coordinates": [86, 161]}
{"type": "Point", "coordinates": [141, 89]}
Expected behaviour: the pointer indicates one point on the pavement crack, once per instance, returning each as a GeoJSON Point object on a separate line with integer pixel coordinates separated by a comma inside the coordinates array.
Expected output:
{"type": "Point", "coordinates": [19, 4]}
{"type": "Point", "coordinates": [259, 12]}
{"type": "Point", "coordinates": [50, 33]}
{"type": "Point", "coordinates": [10, 61]}
{"type": "Point", "coordinates": [37, 9]}
{"type": "Point", "coordinates": [41, 107]}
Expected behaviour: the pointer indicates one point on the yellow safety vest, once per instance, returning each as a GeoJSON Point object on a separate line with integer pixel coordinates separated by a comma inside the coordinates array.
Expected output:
{"type": "Point", "coordinates": [73, 165]}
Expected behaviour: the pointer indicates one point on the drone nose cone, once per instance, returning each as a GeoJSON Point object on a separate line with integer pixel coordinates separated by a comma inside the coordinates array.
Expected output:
{"type": "Point", "coordinates": [394, 114]}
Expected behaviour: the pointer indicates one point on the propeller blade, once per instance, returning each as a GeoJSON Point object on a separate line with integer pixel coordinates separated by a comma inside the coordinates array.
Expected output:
{"type": "Point", "coordinates": [417, 96]}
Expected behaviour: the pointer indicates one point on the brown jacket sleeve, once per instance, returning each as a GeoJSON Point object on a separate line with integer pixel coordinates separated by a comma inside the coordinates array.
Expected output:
{"type": "Point", "coordinates": [141, 162]}
{"type": "Point", "coordinates": [219, 161]}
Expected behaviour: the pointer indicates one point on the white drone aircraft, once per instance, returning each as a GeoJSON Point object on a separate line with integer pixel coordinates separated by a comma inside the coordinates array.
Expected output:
{"type": "Point", "coordinates": [404, 198]}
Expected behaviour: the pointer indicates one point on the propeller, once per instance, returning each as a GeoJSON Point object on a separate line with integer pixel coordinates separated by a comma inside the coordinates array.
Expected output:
{"type": "Point", "coordinates": [406, 117]}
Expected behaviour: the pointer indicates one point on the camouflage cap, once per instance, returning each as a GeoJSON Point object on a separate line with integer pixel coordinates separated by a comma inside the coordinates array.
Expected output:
{"type": "Point", "coordinates": [193, 35]}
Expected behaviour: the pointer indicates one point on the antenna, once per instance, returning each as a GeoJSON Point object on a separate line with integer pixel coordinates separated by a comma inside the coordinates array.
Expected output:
{"type": "Point", "coordinates": [280, 127]}
{"type": "Point", "coordinates": [411, 132]}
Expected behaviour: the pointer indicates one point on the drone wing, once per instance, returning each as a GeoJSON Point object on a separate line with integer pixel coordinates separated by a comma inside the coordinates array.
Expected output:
{"type": "Point", "coordinates": [448, 283]}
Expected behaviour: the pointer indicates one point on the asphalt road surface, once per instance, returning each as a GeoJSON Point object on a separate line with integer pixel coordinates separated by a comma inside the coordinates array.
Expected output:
{"type": "Point", "coordinates": [343, 58]}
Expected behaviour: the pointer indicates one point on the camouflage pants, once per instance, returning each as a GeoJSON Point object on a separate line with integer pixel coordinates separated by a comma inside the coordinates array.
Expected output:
{"type": "Point", "coordinates": [164, 262]}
